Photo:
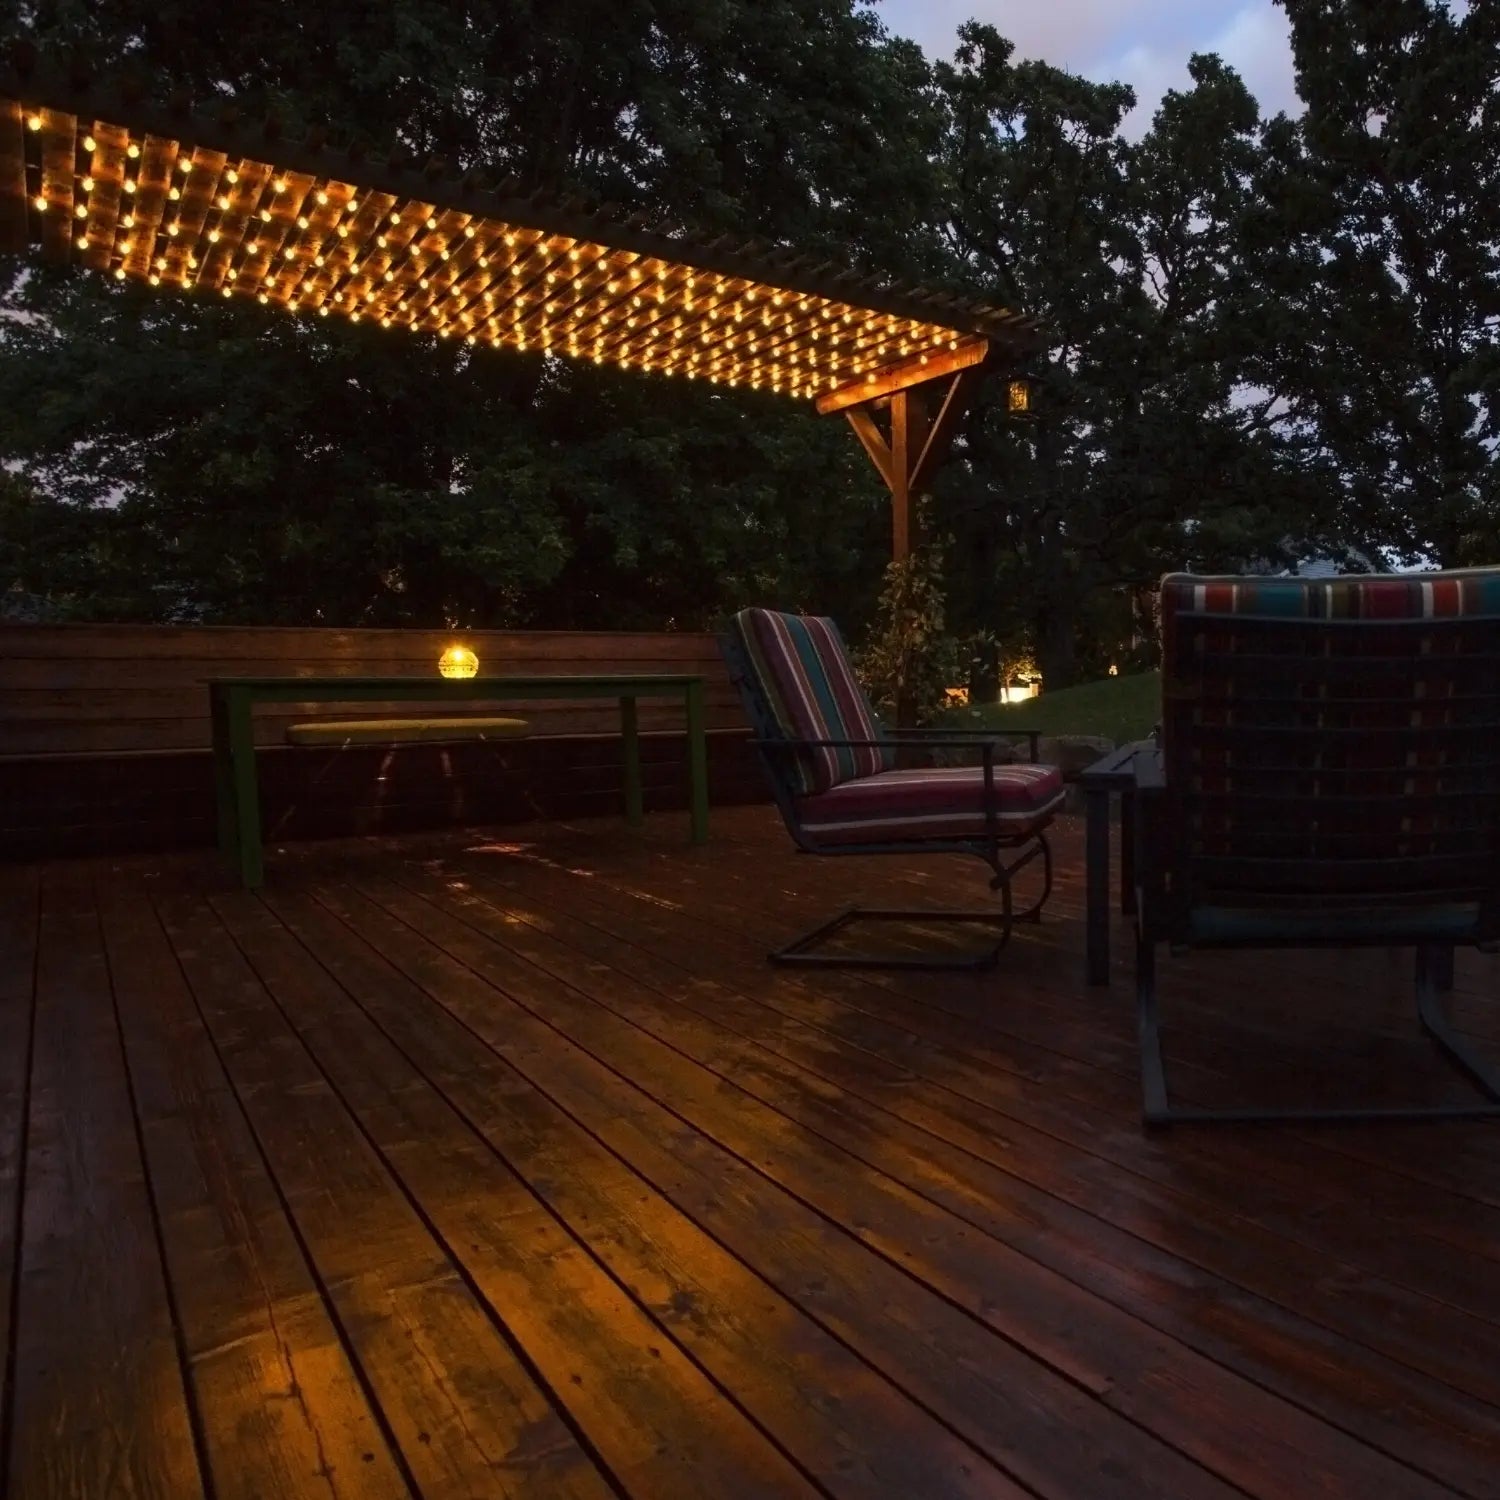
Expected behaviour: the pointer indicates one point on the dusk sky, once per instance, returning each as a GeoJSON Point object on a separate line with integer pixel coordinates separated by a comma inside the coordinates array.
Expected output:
{"type": "Point", "coordinates": [1145, 43]}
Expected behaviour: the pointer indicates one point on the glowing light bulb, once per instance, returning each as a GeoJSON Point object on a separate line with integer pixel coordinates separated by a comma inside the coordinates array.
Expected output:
{"type": "Point", "coordinates": [34, 122]}
{"type": "Point", "coordinates": [262, 298]}
{"type": "Point", "coordinates": [352, 206]}
{"type": "Point", "coordinates": [154, 279]}
{"type": "Point", "coordinates": [431, 222]}
{"type": "Point", "coordinates": [213, 236]}
{"type": "Point", "coordinates": [279, 186]}
{"type": "Point", "coordinates": [321, 196]}
{"type": "Point", "coordinates": [302, 221]}
{"type": "Point", "coordinates": [39, 204]}
{"type": "Point", "coordinates": [288, 253]}
{"type": "Point", "coordinates": [184, 163]}
{"type": "Point", "coordinates": [173, 194]}
{"type": "Point", "coordinates": [395, 217]}
{"type": "Point", "coordinates": [192, 262]}
{"type": "Point", "coordinates": [223, 200]}
{"type": "Point", "coordinates": [87, 184]}
{"type": "Point", "coordinates": [81, 212]}
{"type": "Point", "coordinates": [120, 274]}
{"type": "Point", "coordinates": [82, 242]}
{"type": "Point", "coordinates": [132, 151]}
{"type": "Point", "coordinates": [343, 231]}
{"type": "Point", "coordinates": [128, 185]}
{"type": "Point", "coordinates": [90, 144]}
{"type": "Point", "coordinates": [226, 292]}
{"type": "Point", "coordinates": [128, 222]}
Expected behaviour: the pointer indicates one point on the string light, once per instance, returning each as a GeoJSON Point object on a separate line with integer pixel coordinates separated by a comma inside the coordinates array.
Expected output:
{"type": "Point", "coordinates": [550, 292]}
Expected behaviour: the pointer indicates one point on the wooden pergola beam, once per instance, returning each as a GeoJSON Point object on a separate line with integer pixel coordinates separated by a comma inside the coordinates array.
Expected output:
{"type": "Point", "coordinates": [900, 375]}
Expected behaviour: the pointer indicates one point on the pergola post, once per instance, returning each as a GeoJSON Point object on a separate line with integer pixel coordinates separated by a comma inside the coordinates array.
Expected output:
{"type": "Point", "coordinates": [906, 454]}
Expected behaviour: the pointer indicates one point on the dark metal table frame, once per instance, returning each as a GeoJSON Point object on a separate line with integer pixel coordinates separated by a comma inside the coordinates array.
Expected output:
{"type": "Point", "coordinates": [232, 700]}
{"type": "Point", "coordinates": [1114, 773]}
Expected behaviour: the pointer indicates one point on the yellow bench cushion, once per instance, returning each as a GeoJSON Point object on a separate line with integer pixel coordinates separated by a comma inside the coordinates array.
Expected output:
{"type": "Point", "coordinates": [385, 731]}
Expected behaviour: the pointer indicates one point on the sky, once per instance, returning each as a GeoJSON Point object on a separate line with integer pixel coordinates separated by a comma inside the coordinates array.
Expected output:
{"type": "Point", "coordinates": [1145, 43]}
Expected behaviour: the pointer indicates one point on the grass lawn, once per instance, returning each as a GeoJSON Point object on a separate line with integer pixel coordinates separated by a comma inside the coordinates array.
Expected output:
{"type": "Point", "coordinates": [1120, 708]}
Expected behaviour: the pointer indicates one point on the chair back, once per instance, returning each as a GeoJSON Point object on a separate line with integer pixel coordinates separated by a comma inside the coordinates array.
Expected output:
{"type": "Point", "coordinates": [797, 683]}
{"type": "Point", "coordinates": [1332, 742]}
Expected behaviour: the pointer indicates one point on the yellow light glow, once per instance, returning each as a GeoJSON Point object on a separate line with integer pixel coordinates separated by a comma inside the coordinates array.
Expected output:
{"type": "Point", "coordinates": [132, 151]}
{"type": "Point", "coordinates": [87, 184]}
{"type": "Point", "coordinates": [458, 661]}
{"type": "Point", "coordinates": [184, 163]}
{"type": "Point", "coordinates": [90, 144]}
{"type": "Point", "coordinates": [39, 204]}
{"type": "Point", "coordinates": [34, 122]}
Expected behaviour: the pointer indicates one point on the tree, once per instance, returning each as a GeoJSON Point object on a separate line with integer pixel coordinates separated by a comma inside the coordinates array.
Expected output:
{"type": "Point", "coordinates": [1142, 434]}
{"type": "Point", "coordinates": [254, 468]}
{"type": "Point", "coordinates": [1385, 206]}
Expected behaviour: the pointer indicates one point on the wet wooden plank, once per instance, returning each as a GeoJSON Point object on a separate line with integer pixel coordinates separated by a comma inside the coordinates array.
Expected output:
{"type": "Point", "coordinates": [20, 898]}
{"type": "Point", "coordinates": [1195, 1265]}
{"type": "Point", "coordinates": [1255, 1441]}
{"type": "Point", "coordinates": [464, 1411]}
{"type": "Point", "coordinates": [650, 1413]}
{"type": "Point", "coordinates": [101, 1406]}
{"type": "Point", "coordinates": [283, 1409]}
{"type": "Point", "coordinates": [849, 1429]}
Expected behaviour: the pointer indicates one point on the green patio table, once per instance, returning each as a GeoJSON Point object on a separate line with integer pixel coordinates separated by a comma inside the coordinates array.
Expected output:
{"type": "Point", "coordinates": [232, 699]}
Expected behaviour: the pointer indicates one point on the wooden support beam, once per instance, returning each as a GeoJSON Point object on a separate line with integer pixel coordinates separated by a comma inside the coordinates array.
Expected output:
{"type": "Point", "coordinates": [907, 460]}
{"type": "Point", "coordinates": [960, 392]}
{"type": "Point", "coordinates": [874, 443]}
{"type": "Point", "coordinates": [904, 374]}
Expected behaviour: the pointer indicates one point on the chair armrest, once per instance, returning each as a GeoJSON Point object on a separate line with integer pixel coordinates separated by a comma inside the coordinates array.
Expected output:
{"type": "Point", "coordinates": [972, 742]}
{"type": "Point", "coordinates": [952, 736]}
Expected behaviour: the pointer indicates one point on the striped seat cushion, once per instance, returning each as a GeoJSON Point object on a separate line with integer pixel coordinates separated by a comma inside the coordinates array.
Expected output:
{"type": "Point", "coordinates": [946, 803]}
{"type": "Point", "coordinates": [803, 674]}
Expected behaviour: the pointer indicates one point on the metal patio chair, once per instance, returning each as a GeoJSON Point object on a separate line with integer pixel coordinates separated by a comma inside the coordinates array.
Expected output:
{"type": "Point", "coordinates": [833, 772]}
{"type": "Point", "coordinates": [1327, 775]}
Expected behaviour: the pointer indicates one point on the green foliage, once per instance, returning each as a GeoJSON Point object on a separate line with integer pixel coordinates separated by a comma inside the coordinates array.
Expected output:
{"type": "Point", "coordinates": [1267, 337]}
{"type": "Point", "coordinates": [909, 660]}
{"type": "Point", "coordinates": [1381, 216]}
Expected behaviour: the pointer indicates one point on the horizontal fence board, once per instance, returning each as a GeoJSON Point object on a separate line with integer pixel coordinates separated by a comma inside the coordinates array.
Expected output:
{"type": "Point", "coordinates": [98, 689]}
{"type": "Point", "coordinates": [287, 643]}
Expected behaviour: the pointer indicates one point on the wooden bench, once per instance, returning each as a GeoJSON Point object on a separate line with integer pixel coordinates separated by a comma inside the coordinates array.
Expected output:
{"type": "Point", "coordinates": [405, 731]}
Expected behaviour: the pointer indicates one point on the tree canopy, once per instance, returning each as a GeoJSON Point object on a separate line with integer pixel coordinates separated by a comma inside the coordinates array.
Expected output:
{"type": "Point", "coordinates": [1267, 337]}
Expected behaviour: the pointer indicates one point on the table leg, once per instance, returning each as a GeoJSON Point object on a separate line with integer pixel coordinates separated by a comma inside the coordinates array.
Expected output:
{"type": "Point", "coordinates": [697, 734]}
{"type": "Point", "coordinates": [1127, 851]}
{"type": "Point", "coordinates": [630, 741]}
{"type": "Point", "coordinates": [225, 811]}
{"type": "Point", "coordinates": [246, 792]}
{"type": "Point", "coordinates": [1096, 859]}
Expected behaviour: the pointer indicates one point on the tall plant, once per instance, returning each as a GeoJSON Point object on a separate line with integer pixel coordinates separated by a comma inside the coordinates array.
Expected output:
{"type": "Point", "coordinates": [909, 660]}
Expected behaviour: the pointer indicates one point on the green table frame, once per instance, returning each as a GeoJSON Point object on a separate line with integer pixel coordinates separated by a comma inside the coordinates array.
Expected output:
{"type": "Point", "coordinates": [232, 701]}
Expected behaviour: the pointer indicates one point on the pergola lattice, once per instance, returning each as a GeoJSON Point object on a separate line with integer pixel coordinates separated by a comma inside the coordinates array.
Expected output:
{"type": "Point", "coordinates": [215, 205]}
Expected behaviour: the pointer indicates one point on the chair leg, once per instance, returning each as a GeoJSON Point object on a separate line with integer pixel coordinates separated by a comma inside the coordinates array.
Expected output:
{"type": "Point", "coordinates": [1433, 973]}
{"type": "Point", "coordinates": [1004, 874]}
{"type": "Point", "coordinates": [1148, 1030]}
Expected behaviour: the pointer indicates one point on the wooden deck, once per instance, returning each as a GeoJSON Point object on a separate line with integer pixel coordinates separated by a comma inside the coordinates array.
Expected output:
{"type": "Point", "coordinates": [472, 1167]}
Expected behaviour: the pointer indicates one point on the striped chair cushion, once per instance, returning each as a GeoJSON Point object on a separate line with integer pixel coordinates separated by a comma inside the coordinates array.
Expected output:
{"type": "Point", "coordinates": [948, 803]}
{"type": "Point", "coordinates": [803, 673]}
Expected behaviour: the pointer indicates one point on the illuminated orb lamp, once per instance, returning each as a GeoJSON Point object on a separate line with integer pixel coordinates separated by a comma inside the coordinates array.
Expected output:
{"type": "Point", "coordinates": [1018, 398]}
{"type": "Point", "coordinates": [458, 661]}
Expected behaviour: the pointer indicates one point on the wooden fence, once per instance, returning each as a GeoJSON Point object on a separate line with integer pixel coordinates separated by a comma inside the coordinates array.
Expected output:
{"type": "Point", "coordinates": [104, 734]}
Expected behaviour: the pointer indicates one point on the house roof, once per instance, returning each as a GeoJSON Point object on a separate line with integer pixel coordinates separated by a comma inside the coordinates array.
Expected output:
{"type": "Point", "coordinates": [213, 203]}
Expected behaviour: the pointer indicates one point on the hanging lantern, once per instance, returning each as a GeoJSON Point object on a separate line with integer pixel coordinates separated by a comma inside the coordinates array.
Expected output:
{"type": "Point", "coordinates": [458, 661]}
{"type": "Point", "coordinates": [1018, 397]}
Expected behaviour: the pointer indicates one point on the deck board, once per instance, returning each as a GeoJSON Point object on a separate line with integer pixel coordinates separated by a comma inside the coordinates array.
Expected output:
{"type": "Point", "coordinates": [503, 1164]}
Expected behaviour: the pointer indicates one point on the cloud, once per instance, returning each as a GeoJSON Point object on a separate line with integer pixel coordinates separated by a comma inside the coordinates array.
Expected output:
{"type": "Point", "coordinates": [1145, 43]}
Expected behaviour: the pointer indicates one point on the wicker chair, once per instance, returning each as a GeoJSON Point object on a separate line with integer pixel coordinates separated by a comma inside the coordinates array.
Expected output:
{"type": "Point", "coordinates": [1327, 774]}
{"type": "Point", "coordinates": [833, 772]}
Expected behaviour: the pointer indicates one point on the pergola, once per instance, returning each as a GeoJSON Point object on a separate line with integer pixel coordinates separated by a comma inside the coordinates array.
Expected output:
{"type": "Point", "coordinates": [212, 203]}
